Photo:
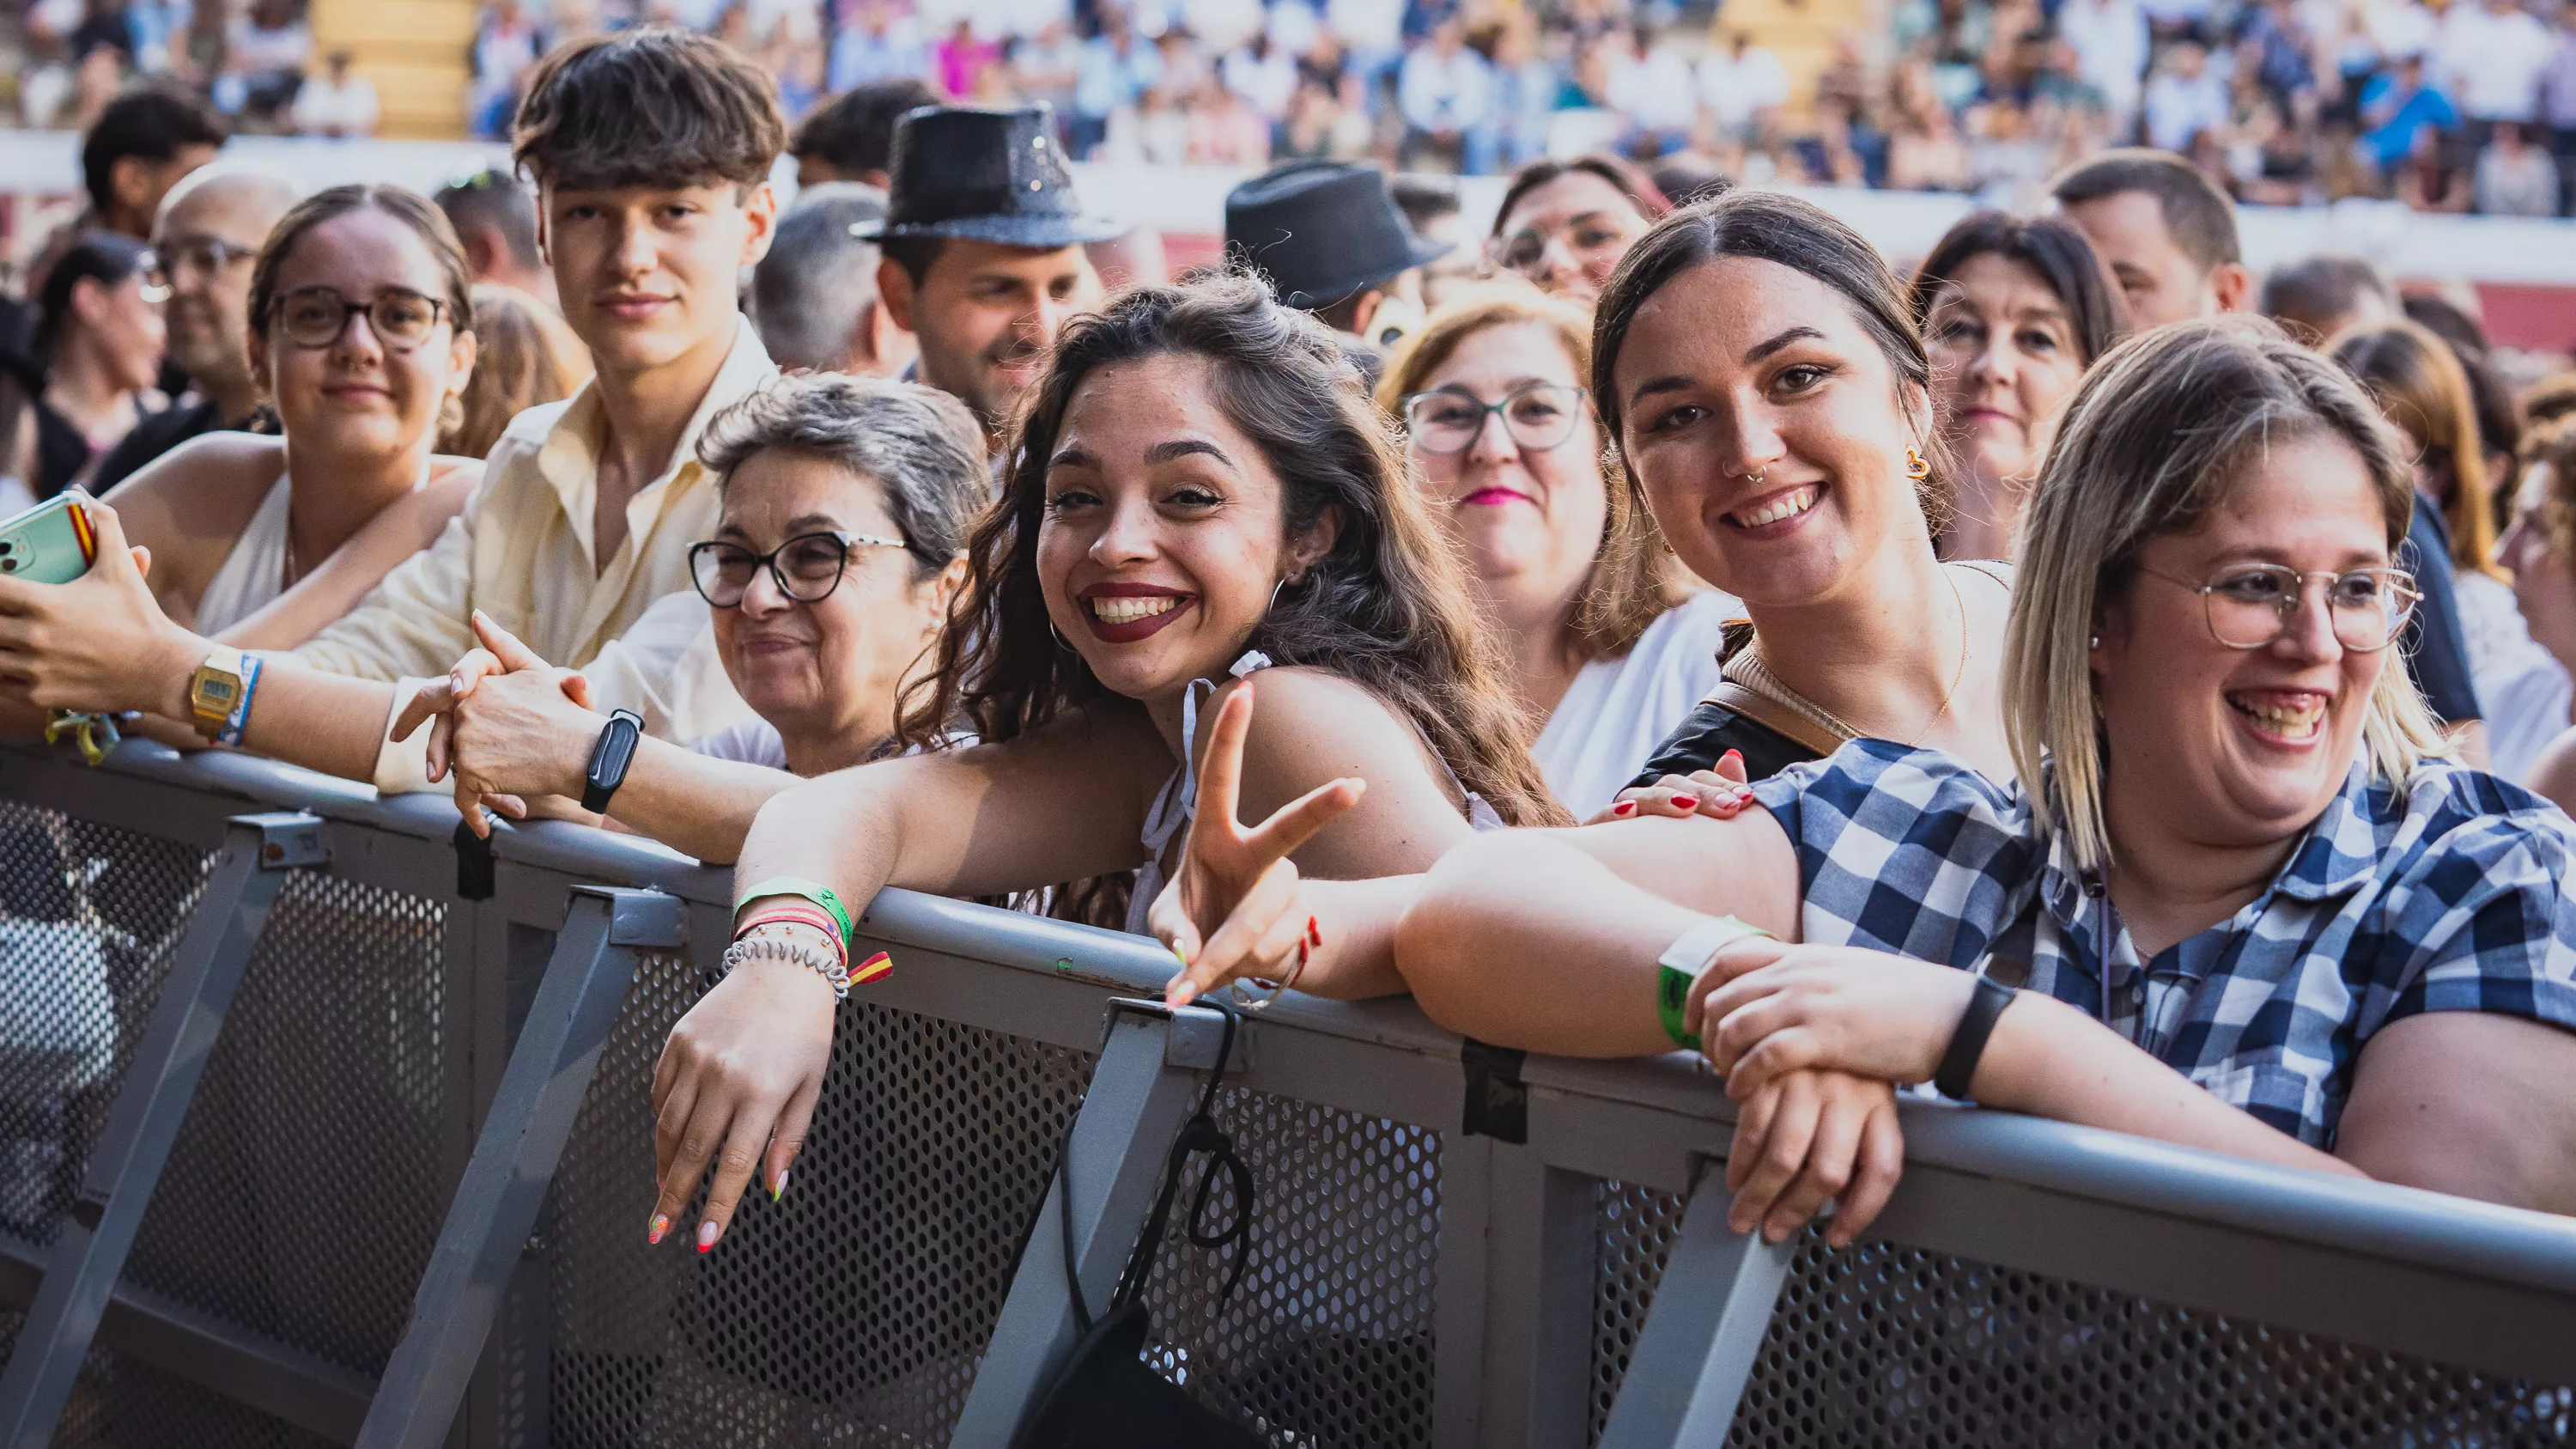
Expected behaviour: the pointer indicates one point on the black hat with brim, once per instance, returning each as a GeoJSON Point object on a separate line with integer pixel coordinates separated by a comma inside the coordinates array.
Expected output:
{"type": "Point", "coordinates": [1323, 231]}
{"type": "Point", "coordinates": [984, 175]}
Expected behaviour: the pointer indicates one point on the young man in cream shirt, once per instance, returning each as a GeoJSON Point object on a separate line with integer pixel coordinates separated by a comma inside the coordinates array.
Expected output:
{"type": "Point", "coordinates": [577, 538]}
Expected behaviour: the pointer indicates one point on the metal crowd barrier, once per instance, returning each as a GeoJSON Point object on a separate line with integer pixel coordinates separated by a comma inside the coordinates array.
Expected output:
{"type": "Point", "coordinates": [319, 1127]}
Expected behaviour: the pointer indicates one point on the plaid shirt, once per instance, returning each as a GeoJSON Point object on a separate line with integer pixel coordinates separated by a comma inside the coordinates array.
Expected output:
{"type": "Point", "coordinates": [2445, 897]}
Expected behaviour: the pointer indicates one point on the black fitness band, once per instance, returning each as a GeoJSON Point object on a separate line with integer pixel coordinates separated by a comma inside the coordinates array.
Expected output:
{"type": "Point", "coordinates": [609, 757]}
{"type": "Point", "coordinates": [1968, 1043]}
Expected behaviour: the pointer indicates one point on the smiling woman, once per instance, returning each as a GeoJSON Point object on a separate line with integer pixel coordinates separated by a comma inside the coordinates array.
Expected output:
{"type": "Point", "coordinates": [2235, 903]}
{"type": "Point", "coordinates": [1197, 492]}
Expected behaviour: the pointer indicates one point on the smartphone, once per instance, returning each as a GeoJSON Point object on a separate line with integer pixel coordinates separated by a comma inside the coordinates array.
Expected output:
{"type": "Point", "coordinates": [51, 543]}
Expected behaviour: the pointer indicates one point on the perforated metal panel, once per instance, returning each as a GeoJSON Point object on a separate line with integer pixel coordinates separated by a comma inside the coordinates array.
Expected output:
{"type": "Point", "coordinates": [119, 1403]}
{"type": "Point", "coordinates": [853, 1310]}
{"type": "Point", "coordinates": [1886, 1345]}
{"type": "Point", "coordinates": [306, 1186]}
{"type": "Point", "coordinates": [89, 918]}
{"type": "Point", "coordinates": [1328, 1338]}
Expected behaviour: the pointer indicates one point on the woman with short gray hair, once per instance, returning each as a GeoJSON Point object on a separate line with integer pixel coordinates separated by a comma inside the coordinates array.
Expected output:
{"type": "Point", "coordinates": [846, 507]}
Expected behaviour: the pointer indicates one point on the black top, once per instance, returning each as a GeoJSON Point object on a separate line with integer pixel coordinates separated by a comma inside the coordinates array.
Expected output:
{"type": "Point", "coordinates": [62, 450]}
{"type": "Point", "coordinates": [151, 438]}
{"type": "Point", "coordinates": [1710, 730]}
{"type": "Point", "coordinates": [2437, 653]}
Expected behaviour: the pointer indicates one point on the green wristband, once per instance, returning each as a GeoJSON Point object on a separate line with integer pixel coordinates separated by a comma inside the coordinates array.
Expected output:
{"type": "Point", "coordinates": [1681, 964]}
{"type": "Point", "coordinates": [815, 891]}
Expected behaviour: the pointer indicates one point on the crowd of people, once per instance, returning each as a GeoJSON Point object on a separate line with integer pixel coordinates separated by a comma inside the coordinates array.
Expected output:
{"type": "Point", "coordinates": [1670, 627]}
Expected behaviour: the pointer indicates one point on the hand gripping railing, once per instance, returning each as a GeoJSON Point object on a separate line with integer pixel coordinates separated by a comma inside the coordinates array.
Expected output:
{"type": "Point", "coordinates": [1549, 1196]}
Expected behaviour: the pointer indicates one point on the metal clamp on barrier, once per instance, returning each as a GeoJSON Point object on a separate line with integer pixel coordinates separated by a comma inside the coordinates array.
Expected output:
{"type": "Point", "coordinates": [606, 933]}
{"type": "Point", "coordinates": [81, 1273]}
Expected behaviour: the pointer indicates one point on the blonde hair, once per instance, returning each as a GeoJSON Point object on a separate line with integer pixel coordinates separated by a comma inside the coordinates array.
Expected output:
{"type": "Point", "coordinates": [2156, 436]}
{"type": "Point", "coordinates": [1633, 580]}
{"type": "Point", "coordinates": [2419, 383]}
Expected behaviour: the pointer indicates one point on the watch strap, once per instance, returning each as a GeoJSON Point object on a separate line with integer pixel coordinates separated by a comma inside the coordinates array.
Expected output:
{"type": "Point", "coordinates": [210, 708]}
{"type": "Point", "coordinates": [1682, 962]}
{"type": "Point", "coordinates": [610, 757]}
{"type": "Point", "coordinates": [1968, 1043]}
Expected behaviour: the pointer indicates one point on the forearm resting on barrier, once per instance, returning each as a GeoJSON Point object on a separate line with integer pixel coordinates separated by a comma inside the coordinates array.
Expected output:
{"type": "Point", "coordinates": [1548, 940]}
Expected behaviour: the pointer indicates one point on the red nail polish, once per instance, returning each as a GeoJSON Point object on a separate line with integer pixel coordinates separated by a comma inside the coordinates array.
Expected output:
{"type": "Point", "coordinates": [1624, 807]}
{"type": "Point", "coordinates": [1314, 936]}
{"type": "Point", "coordinates": [1687, 802]}
{"type": "Point", "coordinates": [1736, 755]}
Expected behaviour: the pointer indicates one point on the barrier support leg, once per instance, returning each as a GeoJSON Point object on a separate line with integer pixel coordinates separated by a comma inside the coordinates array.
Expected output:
{"type": "Point", "coordinates": [1697, 1348]}
{"type": "Point", "coordinates": [605, 934]}
{"type": "Point", "coordinates": [1140, 1094]}
{"type": "Point", "coordinates": [116, 1186]}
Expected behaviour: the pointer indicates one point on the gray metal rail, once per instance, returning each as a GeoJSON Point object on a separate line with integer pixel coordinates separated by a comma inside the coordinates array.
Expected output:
{"type": "Point", "coordinates": [369, 1189]}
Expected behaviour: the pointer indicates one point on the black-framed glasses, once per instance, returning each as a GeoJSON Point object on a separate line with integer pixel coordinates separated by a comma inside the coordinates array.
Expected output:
{"type": "Point", "coordinates": [210, 256]}
{"type": "Point", "coordinates": [317, 316]}
{"type": "Point", "coordinates": [1538, 415]}
{"type": "Point", "coordinates": [806, 568]}
{"type": "Point", "coordinates": [2249, 605]}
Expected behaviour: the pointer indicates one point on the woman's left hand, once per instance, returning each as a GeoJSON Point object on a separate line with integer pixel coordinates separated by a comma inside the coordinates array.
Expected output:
{"type": "Point", "coordinates": [508, 726]}
{"type": "Point", "coordinates": [101, 641]}
{"type": "Point", "coordinates": [1810, 1137]}
{"type": "Point", "coordinates": [1766, 1009]}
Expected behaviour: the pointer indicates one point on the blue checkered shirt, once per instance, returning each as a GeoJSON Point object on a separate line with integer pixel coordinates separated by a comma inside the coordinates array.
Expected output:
{"type": "Point", "coordinates": [2445, 896]}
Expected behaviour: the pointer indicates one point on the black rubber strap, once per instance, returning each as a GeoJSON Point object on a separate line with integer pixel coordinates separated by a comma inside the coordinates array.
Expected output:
{"type": "Point", "coordinates": [1968, 1043]}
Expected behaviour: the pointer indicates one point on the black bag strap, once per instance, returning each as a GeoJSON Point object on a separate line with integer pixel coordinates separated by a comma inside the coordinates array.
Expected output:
{"type": "Point", "coordinates": [1198, 1134]}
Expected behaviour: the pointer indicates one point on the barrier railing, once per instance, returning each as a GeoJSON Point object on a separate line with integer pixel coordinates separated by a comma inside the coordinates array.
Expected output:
{"type": "Point", "coordinates": [407, 1147]}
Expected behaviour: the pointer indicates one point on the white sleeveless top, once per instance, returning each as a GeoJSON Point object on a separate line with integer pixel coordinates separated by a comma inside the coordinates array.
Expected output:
{"type": "Point", "coordinates": [1177, 803]}
{"type": "Point", "coordinates": [254, 573]}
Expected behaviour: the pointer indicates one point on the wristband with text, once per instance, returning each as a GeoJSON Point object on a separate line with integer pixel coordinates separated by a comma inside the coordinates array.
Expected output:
{"type": "Point", "coordinates": [1968, 1043]}
{"type": "Point", "coordinates": [815, 891]}
{"type": "Point", "coordinates": [1681, 964]}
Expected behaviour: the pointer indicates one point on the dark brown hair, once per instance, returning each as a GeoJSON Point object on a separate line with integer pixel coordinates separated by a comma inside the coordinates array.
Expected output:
{"type": "Point", "coordinates": [1631, 183]}
{"type": "Point", "coordinates": [2053, 250]}
{"type": "Point", "coordinates": [1632, 582]}
{"type": "Point", "coordinates": [1772, 227]}
{"type": "Point", "coordinates": [2197, 214]}
{"type": "Point", "coordinates": [660, 106]}
{"type": "Point", "coordinates": [1387, 608]}
{"type": "Point", "coordinates": [456, 287]}
{"type": "Point", "coordinates": [2420, 386]}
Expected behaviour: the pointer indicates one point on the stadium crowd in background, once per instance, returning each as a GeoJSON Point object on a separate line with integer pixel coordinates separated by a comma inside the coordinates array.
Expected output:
{"type": "Point", "coordinates": [2469, 106]}
{"type": "Point", "coordinates": [1667, 499]}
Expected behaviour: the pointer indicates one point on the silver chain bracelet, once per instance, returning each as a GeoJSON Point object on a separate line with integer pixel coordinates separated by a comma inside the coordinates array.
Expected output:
{"type": "Point", "coordinates": [804, 953]}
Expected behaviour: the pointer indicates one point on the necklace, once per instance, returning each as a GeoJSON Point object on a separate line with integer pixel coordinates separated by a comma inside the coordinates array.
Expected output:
{"type": "Point", "coordinates": [1757, 675]}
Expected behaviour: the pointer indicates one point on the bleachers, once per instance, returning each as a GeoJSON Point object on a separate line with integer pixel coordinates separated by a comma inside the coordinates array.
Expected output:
{"type": "Point", "coordinates": [416, 53]}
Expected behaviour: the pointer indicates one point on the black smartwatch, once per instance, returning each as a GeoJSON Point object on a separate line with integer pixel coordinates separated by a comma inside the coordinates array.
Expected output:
{"type": "Point", "coordinates": [609, 759]}
{"type": "Point", "coordinates": [1968, 1044]}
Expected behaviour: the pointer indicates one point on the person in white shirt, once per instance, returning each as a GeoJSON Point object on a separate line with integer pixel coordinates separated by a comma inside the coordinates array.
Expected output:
{"type": "Point", "coordinates": [2490, 56]}
{"type": "Point", "coordinates": [2111, 47]}
{"type": "Point", "coordinates": [337, 102]}
{"type": "Point", "coordinates": [1444, 92]}
{"type": "Point", "coordinates": [846, 508]}
{"type": "Point", "coordinates": [2184, 99]}
{"type": "Point", "coordinates": [1602, 637]}
{"type": "Point", "coordinates": [1741, 84]}
{"type": "Point", "coordinates": [584, 517]}
{"type": "Point", "coordinates": [1652, 86]}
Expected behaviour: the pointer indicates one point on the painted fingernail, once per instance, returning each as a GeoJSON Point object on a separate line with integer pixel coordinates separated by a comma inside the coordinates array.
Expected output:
{"type": "Point", "coordinates": [1314, 936]}
{"type": "Point", "coordinates": [706, 1236]}
{"type": "Point", "coordinates": [661, 1225]}
{"type": "Point", "coordinates": [1736, 755]}
{"type": "Point", "coordinates": [1624, 807]}
{"type": "Point", "coordinates": [1687, 802]}
{"type": "Point", "coordinates": [778, 1188]}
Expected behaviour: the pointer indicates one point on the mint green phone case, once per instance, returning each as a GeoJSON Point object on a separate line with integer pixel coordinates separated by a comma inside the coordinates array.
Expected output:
{"type": "Point", "coordinates": [51, 543]}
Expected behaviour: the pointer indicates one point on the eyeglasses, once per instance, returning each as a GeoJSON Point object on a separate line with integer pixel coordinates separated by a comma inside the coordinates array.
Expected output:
{"type": "Point", "coordinates": [2250, 605]}
{"type": "Point", "coordinates": [1538, 415]}
{"type": "Point", "coordinates": [806, 568]}
{"type": "Point", "coordinates": [210, 255]}
{"type": "Point", "coordinates": [317, 316]}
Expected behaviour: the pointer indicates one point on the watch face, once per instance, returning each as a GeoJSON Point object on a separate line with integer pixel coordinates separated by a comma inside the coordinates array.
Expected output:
{"type": "Point", "coordinates": [217, 691]}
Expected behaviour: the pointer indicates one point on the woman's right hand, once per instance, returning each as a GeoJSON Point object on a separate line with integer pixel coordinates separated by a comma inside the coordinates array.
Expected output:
{"type": "Point", "coordinates": [1810, 1137]}
{"type": "Point", "coordinates": [1234, 907]}
{"type": "Point", "coordinates": [1720, 793]}
{"type": "Point", "coordinates": [735, 1089]}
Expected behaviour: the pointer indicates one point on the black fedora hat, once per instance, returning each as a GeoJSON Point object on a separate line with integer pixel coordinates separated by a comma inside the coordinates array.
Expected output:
{"type": "Point", "coordinates": [983, 175]}
{"type": "Point", "coordinates": [1322, 230]}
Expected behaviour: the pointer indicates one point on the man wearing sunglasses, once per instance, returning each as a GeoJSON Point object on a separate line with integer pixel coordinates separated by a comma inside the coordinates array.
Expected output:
{"type": "Point", "coordinates": [203, 245]}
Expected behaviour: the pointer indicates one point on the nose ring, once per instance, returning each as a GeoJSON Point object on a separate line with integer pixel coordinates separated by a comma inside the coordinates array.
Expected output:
{"type": "Point", "coordinates": [1754, 477]}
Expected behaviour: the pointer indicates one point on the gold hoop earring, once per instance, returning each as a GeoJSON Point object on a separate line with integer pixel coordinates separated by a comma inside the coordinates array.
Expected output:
{"type": "Point", "coordinates": [1915, 467]}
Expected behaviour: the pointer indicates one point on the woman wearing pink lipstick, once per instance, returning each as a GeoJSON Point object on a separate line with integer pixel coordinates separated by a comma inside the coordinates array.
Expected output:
{"type": "Point", "coordinates": [362, 334]}
{"type": "Point", "coordinates": [1199, 491]}
{"type": "Point", "coordinates": [2013, 310]}
{"type": "Point", "coordinates": [1605, 640]}
{"type": "Point", "coordinates": [2244, 908]}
